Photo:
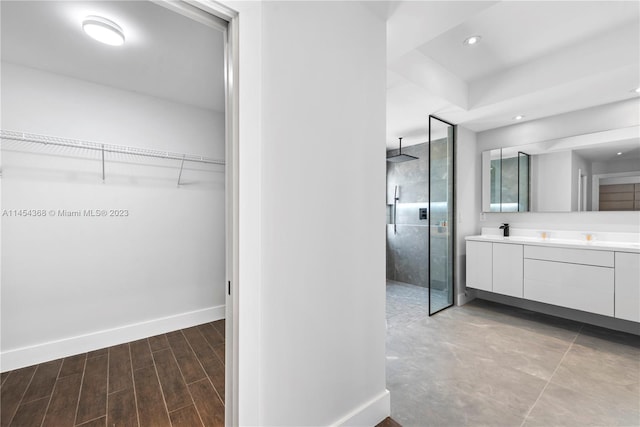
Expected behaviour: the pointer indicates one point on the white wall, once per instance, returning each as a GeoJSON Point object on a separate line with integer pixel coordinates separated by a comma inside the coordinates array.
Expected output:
{"type": "Point", "coordinates": [468, 166]}
{"type": "Point", "coordinates": [311, 320]}
{"type": "Point", "coordinates": [596, 119]}
{"type": "Point", "coordinates": [323, 213]}
{"type": "Point", "coordinates": [71, 284]}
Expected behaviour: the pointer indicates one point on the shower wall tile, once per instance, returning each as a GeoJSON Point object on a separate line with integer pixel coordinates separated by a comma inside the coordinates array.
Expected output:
{"type": "Point", "coordinates": [410, 176]}
{"type": "Point", "coordinates": [407, 251]}
{"type": "Point", "coordinates": [409, 214]}
{"type": "Point", "coordinates": [407, 254]}
{"type": "Point", "coordinates": [407, 258]}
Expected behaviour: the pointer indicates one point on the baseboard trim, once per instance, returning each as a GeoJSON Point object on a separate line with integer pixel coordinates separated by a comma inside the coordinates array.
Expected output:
{"type": "Point", "coordinates": [27, 356]}
{"type": "Point", "coordinates": [369, 414]}
{"type": "Point", "coordinates": [466, 297]}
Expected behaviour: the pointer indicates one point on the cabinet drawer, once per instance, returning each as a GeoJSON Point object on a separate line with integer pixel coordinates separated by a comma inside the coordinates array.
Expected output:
{"type": "Point", "coordinates": [574, 256]}
{"type": "Point", "coordinates": [581, 287]}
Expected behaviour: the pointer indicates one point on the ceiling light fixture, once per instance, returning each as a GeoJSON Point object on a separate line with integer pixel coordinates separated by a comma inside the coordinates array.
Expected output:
{"type": "Point", "coordinates": [472, 40]}
{"type": "Point", "coordinates": [103, 30]}
{"type": "Point", "coordinates": [637, 90]}
{"type": "Point", "coordinates": [619, 153]}
{"type": "Point", "coordinates": [518, 117]}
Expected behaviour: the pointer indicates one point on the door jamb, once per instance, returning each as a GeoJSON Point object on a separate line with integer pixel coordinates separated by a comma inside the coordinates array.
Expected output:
{"type": "Point", "coordinates": [219, 16]}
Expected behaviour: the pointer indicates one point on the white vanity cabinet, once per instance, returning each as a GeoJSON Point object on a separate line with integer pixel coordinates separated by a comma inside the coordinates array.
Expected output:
{"type": "Point", "coordinates": [627, 298]}
{"type": "Point", "coordinates": [495, 267]}
{"type": "Point", "coordinates": [600, 278]}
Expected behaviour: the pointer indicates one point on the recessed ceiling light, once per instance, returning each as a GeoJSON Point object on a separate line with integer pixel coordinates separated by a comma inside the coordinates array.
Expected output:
{"type": "Point", "coordinates": [472, 40]}
{"type": "Point", "coordinates": [619, 153]}
{"type": "Point", "coordinates": [518, 117]}
{"type": "Point", "coordinates": [637, 90]}
{"type": "Point", "coordinates": [103, 30]}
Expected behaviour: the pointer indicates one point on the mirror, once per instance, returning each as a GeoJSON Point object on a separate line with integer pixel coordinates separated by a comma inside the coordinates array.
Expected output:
{"type": "Point", "coordinates": [508, 179]}
{"type": "Point", "coordinates": [592, 172]}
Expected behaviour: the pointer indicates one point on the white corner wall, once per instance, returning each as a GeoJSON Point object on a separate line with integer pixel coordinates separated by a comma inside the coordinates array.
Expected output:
{"type": "Point", "coordinates": [312, 219]}
{"type": "Point", "coordinates": [610, 116]}
{"type": "Point", "coordinates": [73, 284]}
{"type": "Point", "coordinates": [323, 215]}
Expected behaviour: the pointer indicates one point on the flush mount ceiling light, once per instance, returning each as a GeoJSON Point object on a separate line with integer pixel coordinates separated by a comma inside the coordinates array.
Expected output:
{"type": "Point", "coordinates": [637, 90]}
{"type": "Point", "coordinates": [619, 153]}
{"type": "Point", "coordinates": [518, 117]}
{"type": "Point", "coordinates": [103, 30]}
{"type": "Point", "coordinates": [472, 40]}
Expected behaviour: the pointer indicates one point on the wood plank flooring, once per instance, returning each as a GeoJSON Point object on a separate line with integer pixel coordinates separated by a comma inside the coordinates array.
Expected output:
{"type": "Point", "coordinates": [388, 422]}
{"type": "Point", "coordinates": [173, 379]}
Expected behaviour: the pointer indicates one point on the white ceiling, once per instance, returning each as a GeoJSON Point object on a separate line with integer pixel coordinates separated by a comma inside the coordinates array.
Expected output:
{"type": "Point", "coordinates": [536, 58]}
{"type": "Point", "coordinates": [166, 55]}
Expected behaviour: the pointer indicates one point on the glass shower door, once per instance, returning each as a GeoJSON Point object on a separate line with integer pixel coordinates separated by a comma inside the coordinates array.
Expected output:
{"type": "Point", "coordinates": [441, 208]}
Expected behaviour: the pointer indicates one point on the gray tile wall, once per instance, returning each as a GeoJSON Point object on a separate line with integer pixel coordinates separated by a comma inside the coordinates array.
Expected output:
{"type": "Point", "coordinates": [407, 250]}
{"type": "Point", "coordinates": [407, 253]}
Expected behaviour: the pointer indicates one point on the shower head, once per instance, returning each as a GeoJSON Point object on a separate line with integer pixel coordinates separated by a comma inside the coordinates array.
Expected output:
{"type": "Point", "coordinates": [399, 158]}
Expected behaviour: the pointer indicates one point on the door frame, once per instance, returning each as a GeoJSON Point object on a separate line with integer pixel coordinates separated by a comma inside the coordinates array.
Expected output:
{"type": "Point", "coordinates": [223, 18]}
{"type": "Point", "coordinates": [452, 226]}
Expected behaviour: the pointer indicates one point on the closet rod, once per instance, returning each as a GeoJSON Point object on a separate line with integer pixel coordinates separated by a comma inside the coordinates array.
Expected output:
{"type": "Point", "coordinates": [109, 148]}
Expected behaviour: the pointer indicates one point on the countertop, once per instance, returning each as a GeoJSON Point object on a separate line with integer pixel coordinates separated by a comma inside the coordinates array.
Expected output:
{"type": "Point", "coordinates": [597, 245]}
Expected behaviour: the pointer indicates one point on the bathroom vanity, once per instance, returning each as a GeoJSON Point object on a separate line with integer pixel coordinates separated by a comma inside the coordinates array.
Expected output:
{"type": "Point", "coordinates": [600, 276]}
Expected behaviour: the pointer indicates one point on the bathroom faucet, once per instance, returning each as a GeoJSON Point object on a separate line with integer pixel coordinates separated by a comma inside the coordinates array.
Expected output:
{"type": "Point", "coordinates": [505, 227]}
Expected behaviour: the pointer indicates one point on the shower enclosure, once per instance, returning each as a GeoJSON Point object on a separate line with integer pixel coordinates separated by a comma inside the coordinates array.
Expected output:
{"type": "Point", "coordinates": [420, 216]}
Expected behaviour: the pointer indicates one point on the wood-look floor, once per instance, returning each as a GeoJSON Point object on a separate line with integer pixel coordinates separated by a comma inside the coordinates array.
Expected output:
{"type": "Point", "coordinates": [388, 422]}
{"type": "Point", "coordinates": [174, 379]}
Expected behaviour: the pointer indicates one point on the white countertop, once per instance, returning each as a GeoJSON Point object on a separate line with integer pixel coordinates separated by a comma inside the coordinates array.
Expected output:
{"type": "Point", "coordinates": [618, 246]}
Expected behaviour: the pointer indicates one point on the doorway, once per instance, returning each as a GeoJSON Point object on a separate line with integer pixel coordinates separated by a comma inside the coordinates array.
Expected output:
{"type": "Point", "coordinates": [63, 148]}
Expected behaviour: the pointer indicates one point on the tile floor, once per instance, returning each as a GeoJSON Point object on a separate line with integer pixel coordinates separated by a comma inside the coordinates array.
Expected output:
{"type": "Point", "coordinates": [412, 302]}
{"type": "Point", "coordinates": [486, 364]}
{"type": "Point", "coordinates": [174, 379]}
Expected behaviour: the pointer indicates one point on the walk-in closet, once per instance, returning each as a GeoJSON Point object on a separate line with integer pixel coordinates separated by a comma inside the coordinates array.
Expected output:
{"type": "Point", "coordinates": [113, 214]}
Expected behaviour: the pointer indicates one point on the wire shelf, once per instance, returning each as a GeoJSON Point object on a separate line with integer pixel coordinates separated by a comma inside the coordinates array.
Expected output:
{"type": "Point", "coordinates": [104, 148]}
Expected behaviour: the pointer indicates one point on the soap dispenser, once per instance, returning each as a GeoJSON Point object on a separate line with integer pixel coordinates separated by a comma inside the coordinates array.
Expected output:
{"type": "Point", "coordinates": [505, 228]}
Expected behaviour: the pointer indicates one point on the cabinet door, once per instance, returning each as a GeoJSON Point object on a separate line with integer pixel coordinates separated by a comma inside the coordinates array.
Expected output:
{"type": "Point", "coordinates": [581, 287]}
{"type": "Point", "coordinates": [507, 269]}
{"type": "Point", "coordinates": [479, 265]}
{"type": "Point", "coordinates": [627, 286]}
